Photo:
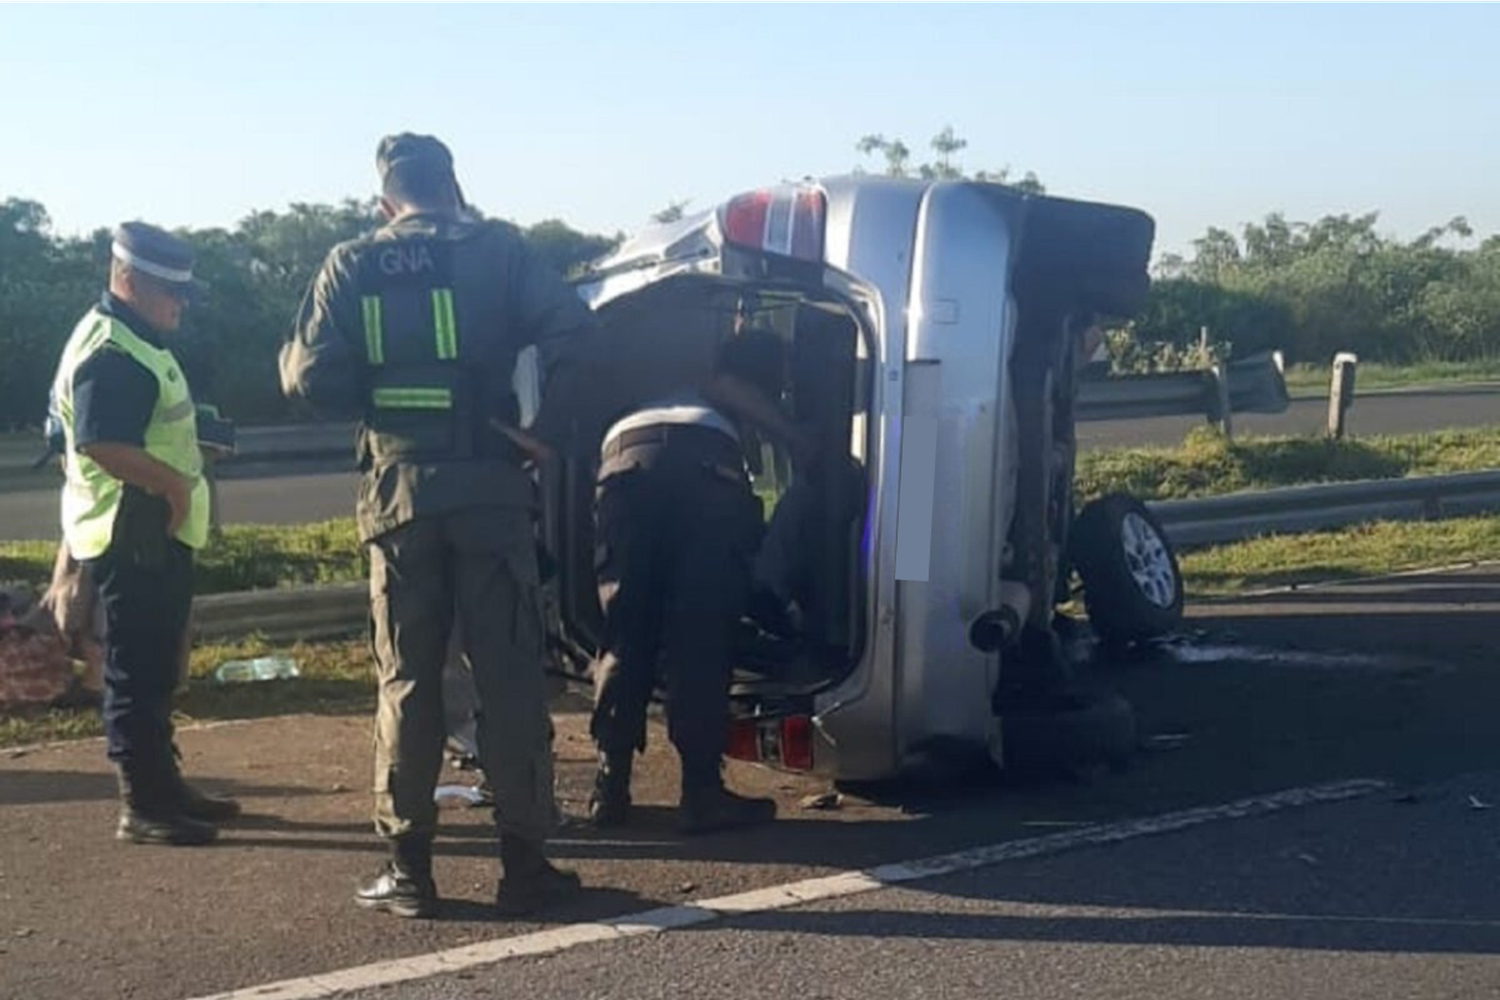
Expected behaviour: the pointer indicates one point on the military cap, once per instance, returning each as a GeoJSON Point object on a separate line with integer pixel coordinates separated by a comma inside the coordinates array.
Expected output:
{"type": "Point", "coordinates": [409, 151]}
{"type": "Point", "coordinates": [158, 254]}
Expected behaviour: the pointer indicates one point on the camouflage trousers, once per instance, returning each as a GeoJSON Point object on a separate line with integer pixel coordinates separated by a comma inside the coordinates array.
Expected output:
{"type": "Point", "coordinates": [476, 570]}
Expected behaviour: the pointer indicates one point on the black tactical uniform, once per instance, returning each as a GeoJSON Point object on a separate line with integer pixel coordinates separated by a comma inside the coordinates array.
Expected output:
{"type": "Point", "coordinates": [677, 526]}
{"type": "Point", "coordinates": [416, 329]}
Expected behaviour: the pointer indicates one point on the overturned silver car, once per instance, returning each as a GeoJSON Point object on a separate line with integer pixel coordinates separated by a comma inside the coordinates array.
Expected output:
{"type": "Point", "coordinates": [936, 331]}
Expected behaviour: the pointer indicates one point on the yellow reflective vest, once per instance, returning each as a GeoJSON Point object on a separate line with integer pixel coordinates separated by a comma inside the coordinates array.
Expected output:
{"type": "Point", "coordinates": [91, 496]}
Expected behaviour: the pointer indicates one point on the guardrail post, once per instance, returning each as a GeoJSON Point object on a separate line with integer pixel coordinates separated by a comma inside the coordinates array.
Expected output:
{"type": "Point", "coordinates": [1225, 415]}
{"type": "Point", "coordinates": [1341, 393]}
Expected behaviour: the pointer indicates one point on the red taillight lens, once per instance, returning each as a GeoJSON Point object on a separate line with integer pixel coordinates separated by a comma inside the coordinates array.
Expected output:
{"type": "Point", "coordinates": [785, 742]}
{"type": "Point", "coordinates": [744, 742]}
{"type": "Point", "coordinates": [797, 743]}
{"type": "Point", "coordinates": [745, 219]}
{"type": "Point", "coordinates": [785, 221]}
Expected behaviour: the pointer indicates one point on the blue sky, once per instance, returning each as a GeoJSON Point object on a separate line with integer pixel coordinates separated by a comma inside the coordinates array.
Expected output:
{"type": "Point", "coordinates": [1202, 115]}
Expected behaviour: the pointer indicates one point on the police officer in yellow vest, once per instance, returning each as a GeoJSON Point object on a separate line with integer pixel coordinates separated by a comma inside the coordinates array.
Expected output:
{"type": "Point", "coordinates": [415, 330]}
{"type": "Point", "coordinates": [134, 508]}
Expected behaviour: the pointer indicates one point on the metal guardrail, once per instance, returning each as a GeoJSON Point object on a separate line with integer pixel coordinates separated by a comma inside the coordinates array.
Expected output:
{"type": "Point", "coordinates": [270, 451]}
{"type": "Point", "coordinates": [1254, 385]}
{"type": "Point", "coordinates": [259, 451]}
{"type": "Point", "coordinates": [1295, 509]}
{"type": "Point", "coordinates": [287, 615]}
{"type": "Point", "coordinates": [254, 444]}
{"type": "Point", "coordinates": [18, 450]}
{"type": "Point", "coordinates": [342, 610]}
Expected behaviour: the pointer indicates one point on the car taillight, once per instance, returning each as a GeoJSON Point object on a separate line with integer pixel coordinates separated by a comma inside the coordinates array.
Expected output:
{"type": "Point", "coordinates": [785, 742]}
{"type": "Point", "coordinates": [787, 221]}
{"type": "Point", "coordinates": [796, 743]}
{"type": "Point", "coordinates": [744, 741]}
{"type": "Point", "coordinates": [745, 219]}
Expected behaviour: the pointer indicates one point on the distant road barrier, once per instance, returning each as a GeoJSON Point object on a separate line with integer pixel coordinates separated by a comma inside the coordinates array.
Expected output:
{"type": "Point", "coordinates": [339, 610]}
{"type": "Point", "coordinates": [284, 615]}
{"type": "Point", "coordinates": [1296, 509]}
{"type": "Point", "coordinates": [1252, 385]}
{"type": "Point", "coordinates": [260, 451]}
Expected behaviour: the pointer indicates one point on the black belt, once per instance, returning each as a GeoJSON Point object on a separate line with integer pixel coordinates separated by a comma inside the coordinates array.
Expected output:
{"type": "Point", "coordinates": [717, 445]}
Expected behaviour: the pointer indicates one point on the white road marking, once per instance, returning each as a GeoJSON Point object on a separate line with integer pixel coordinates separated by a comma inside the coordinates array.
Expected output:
{"type": "Point", "coordinates": [557, 939]}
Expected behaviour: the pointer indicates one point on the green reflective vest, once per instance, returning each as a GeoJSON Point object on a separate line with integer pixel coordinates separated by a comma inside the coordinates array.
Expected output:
{"type": "Point", "coordinates": [91, 496]}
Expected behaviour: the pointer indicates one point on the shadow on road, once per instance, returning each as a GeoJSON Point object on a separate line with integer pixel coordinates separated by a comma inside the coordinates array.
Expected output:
{"type": "Point", "coordinates": [1237, 727]}
{"type": "Point", "coordinates": [26, 788]}
{"type": "Point", "coordinates": [593, 904]}
{"type": "Point", "coordinates": [1396, 872]}
{"type": "Point", "coordinates": [804, 843]}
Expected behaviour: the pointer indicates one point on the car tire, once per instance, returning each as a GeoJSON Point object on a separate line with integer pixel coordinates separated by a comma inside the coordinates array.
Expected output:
{"type": "Point", "coordinates": [1132, 584]}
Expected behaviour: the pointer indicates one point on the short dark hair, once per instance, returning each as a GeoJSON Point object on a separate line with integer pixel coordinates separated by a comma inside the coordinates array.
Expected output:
{"type": "Point", "coordinates": [756, 355]}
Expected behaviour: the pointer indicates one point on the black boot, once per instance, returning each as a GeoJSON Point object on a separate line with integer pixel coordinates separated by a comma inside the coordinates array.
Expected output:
{"type": "Point", "coordinates": [404, 885]}
{"type": "Point", "coordinates": [708, 806]}
{"type": "Point", "coordinates": [149, 813]}
{"type": "Point", "coordinates": [609, 805]}
{"type": "Point", "coordinates": [530, 882]}
{"type": "Point", "coordinates": [195, 804]}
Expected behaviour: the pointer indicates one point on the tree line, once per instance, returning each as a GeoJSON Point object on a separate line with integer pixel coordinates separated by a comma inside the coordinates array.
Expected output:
{"type": "Point", "coordinates": [1315, 288]}
{"type": "Point", "coordinates": [257, 271]}
{"type": "Point", "coordinates": [1308, 288]}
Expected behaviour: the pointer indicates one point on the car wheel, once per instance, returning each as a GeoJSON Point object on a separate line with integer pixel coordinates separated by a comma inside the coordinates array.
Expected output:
{"type": "Point", "coordinates": [1132, 584]}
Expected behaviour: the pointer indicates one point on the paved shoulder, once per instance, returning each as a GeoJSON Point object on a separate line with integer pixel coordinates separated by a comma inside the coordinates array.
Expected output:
{"type": "Point", "coordinates": [1389, 896]}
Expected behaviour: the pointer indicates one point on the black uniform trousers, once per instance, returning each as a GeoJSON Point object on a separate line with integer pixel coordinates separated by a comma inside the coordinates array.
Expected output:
{"type": "Point", "coordinates": [146, 592]}
{"type": "Point", "coordinates": [676, 525]}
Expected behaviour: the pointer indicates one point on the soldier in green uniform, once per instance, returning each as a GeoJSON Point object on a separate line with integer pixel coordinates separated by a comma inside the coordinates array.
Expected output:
{"type": "Point", "coordinates": [415, 329]}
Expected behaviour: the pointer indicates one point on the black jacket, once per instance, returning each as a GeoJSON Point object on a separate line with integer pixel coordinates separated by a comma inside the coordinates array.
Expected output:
{"type": "Point", "coordinates": [440, 453]}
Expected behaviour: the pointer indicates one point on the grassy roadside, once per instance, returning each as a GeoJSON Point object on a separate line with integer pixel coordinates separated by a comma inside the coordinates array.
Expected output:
{"type": "Point", "coordinates": [1329, 556]}
{"type": "Point", "coordinates": [1205, 464]}
{"type": "Point", "coordinates": [1303, 380]}
{"type": "Point", "coordinates": [249, 557]}
{"type": "Point", "coordinates": [335, 679]}
{"type": "Point", "coordinates": [336, 676]}
{"type": "Point", "coordinates": [1208, 465]}
{"type": "Point", "coordinates": [245, 557]}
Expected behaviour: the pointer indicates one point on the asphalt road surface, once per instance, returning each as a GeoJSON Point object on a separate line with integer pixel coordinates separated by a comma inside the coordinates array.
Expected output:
{"type": "Point", "coordinates": [1391, 895]}
{"type": "Point", "coordinates": [1368, 898]}
{"type": "Point", "coordinates": [28, 510]}
{"type": "Point", "coordinates": [32, 514]}
{"type": "Point", "coordinates": [1389, 413]}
